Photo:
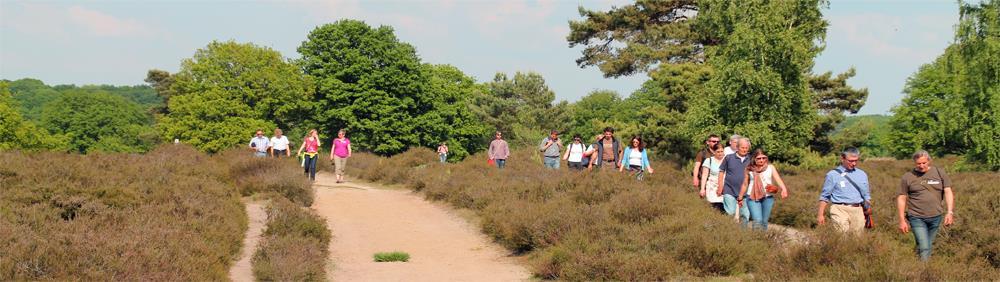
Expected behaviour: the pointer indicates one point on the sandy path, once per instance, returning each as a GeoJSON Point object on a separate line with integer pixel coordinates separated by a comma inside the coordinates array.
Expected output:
{"type": "Point", "coordinates": [442, 246]}
{"type": "Point", "coordinates": [243, 269]}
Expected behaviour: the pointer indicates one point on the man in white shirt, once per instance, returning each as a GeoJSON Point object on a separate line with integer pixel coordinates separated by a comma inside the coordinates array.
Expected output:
{"type": "Point", "coordinates": [279, 144]}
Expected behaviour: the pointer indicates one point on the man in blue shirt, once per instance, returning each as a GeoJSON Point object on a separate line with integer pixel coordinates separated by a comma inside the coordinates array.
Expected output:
{"type": "Point", "coordinates": [259, 144]}
{"type": "Point", "coordinates": [731, 173]}
{"type": "Point", "coordinates": [845, 198]}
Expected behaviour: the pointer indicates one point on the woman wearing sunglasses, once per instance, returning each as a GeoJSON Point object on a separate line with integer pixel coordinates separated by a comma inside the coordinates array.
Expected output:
{"type": "Point", "coordinates": [760, 185]}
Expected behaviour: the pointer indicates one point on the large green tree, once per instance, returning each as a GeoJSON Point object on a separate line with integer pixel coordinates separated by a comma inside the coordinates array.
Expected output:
{"type": "Point", "coordinates": [521, 107]}
{"type": "Point", "coordinates": [375, 86]}
{"type": "Point", "coordinates": [952, 105]}
{"type": "Point", "coordinates": [99, 121]}
{"type": "Point", "coordinates": [833, 97]}
{"type": "Point", "coordinates": [227, 90]}
{"type": "Point", "coordinates": [20, 133]}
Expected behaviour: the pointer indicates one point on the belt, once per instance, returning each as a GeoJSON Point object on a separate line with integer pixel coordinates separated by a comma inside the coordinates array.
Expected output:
{"type": "Point", "coordinates": [609, 161]}
{"type": "Point", "coordinates": [850, 205]}
{"type": "Point", "coordinates": [551, 156]}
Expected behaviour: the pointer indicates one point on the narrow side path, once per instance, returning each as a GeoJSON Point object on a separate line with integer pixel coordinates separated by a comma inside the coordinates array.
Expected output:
{"type": "Point", "coordinates": [365, 220]}
{"type": "Point", "coordinates": [243, 269]}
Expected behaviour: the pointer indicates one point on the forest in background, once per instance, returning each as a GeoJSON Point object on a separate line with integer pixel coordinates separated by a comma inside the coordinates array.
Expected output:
{"type": "Point", "coordinates": [713, 66]}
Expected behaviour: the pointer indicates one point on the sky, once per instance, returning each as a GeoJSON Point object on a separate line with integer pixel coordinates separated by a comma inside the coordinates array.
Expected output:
{"type": "Point", "coordinates": [117, 42]}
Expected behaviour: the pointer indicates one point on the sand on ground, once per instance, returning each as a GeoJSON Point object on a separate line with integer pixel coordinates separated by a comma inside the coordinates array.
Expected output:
{"type": "Point", "coordinates": [243, 269]}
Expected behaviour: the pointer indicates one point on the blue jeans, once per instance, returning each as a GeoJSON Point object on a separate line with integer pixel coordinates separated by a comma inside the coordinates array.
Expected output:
{"type": "Point", "coordinates": [551, 162]}
{"type": "Point", "coordinates": [443, 157]}
{"type": "Point", "coordinates": [310, 166]}
{"type": "Point", "coordinates": [760, 211]}
{"type": "Point", "coordinates": [924, 230]}
{"type": "Point", "coordinates": [729, 205]}
{"type": "Point", "coordinates": [500, 163]}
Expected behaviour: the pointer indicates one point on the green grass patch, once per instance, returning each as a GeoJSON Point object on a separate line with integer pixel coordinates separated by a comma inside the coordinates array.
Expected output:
{"type": "Point", "coordinates": [391, 256]}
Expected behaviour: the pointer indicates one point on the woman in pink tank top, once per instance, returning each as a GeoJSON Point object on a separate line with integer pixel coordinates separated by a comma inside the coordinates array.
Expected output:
{"type": "Point", "coordinates": [339, 152]}
{"type": "Point", "coordinates": [311, 145]}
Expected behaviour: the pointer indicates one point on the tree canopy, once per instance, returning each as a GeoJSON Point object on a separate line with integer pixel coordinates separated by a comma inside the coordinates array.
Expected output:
{"type": "Point", "coordinates": [99, 121]}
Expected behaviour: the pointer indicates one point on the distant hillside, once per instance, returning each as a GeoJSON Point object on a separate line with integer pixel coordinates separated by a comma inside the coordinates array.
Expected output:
{"type": "Point", "coordinates": [879, 121]}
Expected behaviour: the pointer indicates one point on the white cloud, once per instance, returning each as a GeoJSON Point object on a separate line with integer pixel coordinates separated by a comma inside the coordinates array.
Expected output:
{"type": "Point", "coordinates": [102, 24]}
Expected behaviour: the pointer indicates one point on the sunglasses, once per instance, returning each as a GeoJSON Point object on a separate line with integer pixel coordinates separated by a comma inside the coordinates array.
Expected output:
{"type": "Point", "coordinates": [761, 158]}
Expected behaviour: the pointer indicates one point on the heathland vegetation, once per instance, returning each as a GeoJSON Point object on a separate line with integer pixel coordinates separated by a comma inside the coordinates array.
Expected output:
{"type": "Point", "coordinates": [607, 226]}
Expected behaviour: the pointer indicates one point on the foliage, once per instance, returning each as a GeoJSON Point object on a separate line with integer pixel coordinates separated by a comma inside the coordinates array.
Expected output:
{"type": "Point", "coordinates": [391, 257]}
{"type": "Point", "coordinates": [833, 97]}
{"type": "Point", "coordinates": [375, 86]}
{"type": "Point", "coordinates": [606, 226]}
{"type": "Point", "coordinates": [294, 245]}
{"type": "Point", "coordinates": [227, 90]}
{"type": "Point", "coordinates": [33, 94]}
{"type": "Point", "coordinates": [20, 133]}
{"type": "Point", "coordinates": [758, 88]}
{"type": "Point", "coordinates": [665, 36]}
{"type": "Point", "coordinates": [99, 121]}
{"type": "Point", "coordinates": [868, 133]}
{"type": "Point", "coordinates": [521, 107]}
{"type": "Point", "coordinates": [952, 105]}
{"type": "Point", "coordinates": [169, 214]}
{"type": "Point", "coordinates": [254, 175]}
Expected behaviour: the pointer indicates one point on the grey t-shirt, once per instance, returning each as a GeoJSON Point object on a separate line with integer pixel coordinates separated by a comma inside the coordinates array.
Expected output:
{"type": "Point", "coordinates": [735, 170]}
{"type": "Point", "coordinates": [551, 151]}
{"type": "Point", "coordinates": [924, 192]}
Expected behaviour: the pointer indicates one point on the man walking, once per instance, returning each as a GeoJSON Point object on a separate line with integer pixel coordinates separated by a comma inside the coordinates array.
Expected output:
{"type": "Point", "coordinates": [550, 147]}
{"type": "Point", "coordinates": [259, 144]}
{"type": "Point", "coordinates": [845, 190]}
{"type": "Point", "coordinates": [498, 151]}
{"type": "Point", "coordinates": [732, 171]}
{"type": "Point", "coordinates": [700, 157]}
{"type": "Point", "coordinates": [608, 150]}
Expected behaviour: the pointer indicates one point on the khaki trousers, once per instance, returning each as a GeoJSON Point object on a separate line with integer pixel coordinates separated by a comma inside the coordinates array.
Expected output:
{"type": "Point", "coordinates": [847, 218]}
{"type": "Point", "coordinates": [339, 164]}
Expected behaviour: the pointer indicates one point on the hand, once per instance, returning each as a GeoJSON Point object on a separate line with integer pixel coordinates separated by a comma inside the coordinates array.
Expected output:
{"type": "Point", "coordinates": [701, 193]}
{"type": "Point", "coordinates": [821, 220]}
{"type": "Point", "coordinates": [549, 143]}
{"type": "Point", "coordinates": [784, 193]}
{"type": "Point", "coordinates": [739, 202]}
{"type": "Point", "coordinates": [718, 192]}
{"type": "Point", "coordinates": [650, 170]}
{"type": "Point", "coordinates": [694, 182]}
{"type": "Point", "coordinates": [949, 219]}
{"type": "Point", "coordinates": [904, 226]}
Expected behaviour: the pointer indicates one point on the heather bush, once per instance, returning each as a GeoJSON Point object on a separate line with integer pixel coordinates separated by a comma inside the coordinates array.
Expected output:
{"type": "Point", "coordinates": [267, 175]}
{"type": "Point", "coordinates": [603, 225]}
{"type": "Point", "coordinates": [294, 245]}
{"type": "Point", "coordinates": [170, 214]}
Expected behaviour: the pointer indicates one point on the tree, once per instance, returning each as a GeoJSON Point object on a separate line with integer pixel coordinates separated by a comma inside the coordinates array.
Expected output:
{"type": "Point", "coordinates": [952, 105]}
{"type": "Point", "coordinates": [521, 107]}
{"type": "Point", "coordinates": [227, 90]}
{"type": "Point", "coordinates": [94, 121]}
{"type": "Point", "coordinates": [452, 121]}
{"type": "Point", "coordinates": [20, 133]}
{"type": "Point", "coordinates": [32, 94]}
{"type": "Point", "coordinates": [660, 108]}
{"type": "Point", "coordinates": [647, 33]}
{"type": "Point", "coordinates": [833, 97]}
{"type": "Point", "coordinates": [759, 88]}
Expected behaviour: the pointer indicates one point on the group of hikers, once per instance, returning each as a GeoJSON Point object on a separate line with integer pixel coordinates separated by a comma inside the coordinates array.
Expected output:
{"type": "Point", "coordinates": [733, 179]}
{"type": "Point", "coordinates": [277, 146]}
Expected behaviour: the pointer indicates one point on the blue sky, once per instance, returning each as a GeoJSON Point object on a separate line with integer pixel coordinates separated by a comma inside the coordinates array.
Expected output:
{"type": "Point", "coordinates": [116, 42]}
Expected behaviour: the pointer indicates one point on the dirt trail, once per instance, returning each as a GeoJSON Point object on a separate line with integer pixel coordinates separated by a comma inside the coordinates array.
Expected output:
{"type": "Point", "coordinates": [243, 270]}
{"type": "Point", "coordinates": [365, 220]}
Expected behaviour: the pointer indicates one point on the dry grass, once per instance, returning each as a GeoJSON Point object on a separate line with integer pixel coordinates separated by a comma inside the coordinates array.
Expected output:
{"type": "Point", "coordinates": [606, 226]}
{"type": "Point", "coordinates": [167, 215]}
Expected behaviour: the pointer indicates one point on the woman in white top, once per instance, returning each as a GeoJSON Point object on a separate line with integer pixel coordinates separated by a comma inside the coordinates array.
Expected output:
{"type": "Point", "coordinates": [711, 175]}
{"type": "Point", "coordinates": [574, 154]}
{"type": "Point", "coordinates": [761, 175]}
{"type": "Point", "coordinates": [635, 157]}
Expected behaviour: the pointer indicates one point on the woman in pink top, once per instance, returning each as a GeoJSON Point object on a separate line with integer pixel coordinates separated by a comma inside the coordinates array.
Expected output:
{"type": "Point", "coordinates": [339, 152]}
{"type": "Point", "coordinates": [311, 144]}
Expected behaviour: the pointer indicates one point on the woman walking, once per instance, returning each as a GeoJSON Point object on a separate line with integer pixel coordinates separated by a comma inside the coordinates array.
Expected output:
{"type": "Point", "coordinates": [443, 152]}
{"type": "Point", "coordinates": [574, 154]}
{"type": "Point", "coordinates": [919, 202]}
{"type": "Point", "coordinates": [710, 175]}
{"type": "Point", "coordinates": [311, 145]}
{"type": "Point", "coordinates": [635, 158]}
{"type": "Point", "coordinates": [339, 152]}
{"type": "Point", "coordinates": [761, 182]}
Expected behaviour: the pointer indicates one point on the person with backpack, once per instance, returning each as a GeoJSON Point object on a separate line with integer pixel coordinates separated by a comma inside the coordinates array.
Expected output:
{"type": "Point", "coordinates": [311, 145]}
{"type": "Point", "coordinates": [925, 201]}
{"type": "Point", "coordinates": [847, 193]}
{"type": "Point", "coordinates": [699, 159]}
{"type": "Point", "coordinates": [761, 183]}
{"type": "Point", "coordinates": [574, 154]}
{"type": "Point", "coordinates": [635, 157]}
{"type": "Point", "coordinates": [550, 147]}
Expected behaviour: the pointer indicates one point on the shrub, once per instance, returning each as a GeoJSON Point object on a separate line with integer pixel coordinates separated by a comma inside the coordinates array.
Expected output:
{"type": "Point", "coordinates": [294, 245]}
{"type": "Point", "coordinates": [391, 257]}
{"type": "Point", "coordinates": [267, 175]}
